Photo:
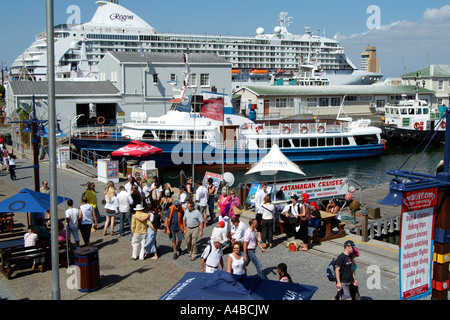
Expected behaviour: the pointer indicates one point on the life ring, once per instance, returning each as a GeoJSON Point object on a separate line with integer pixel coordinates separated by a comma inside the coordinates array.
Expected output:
{"type": "Point", "coordinates": [321, 128]}
{"type": "Point", "coordinates": [102, 134]}
{"type": "Point", "coordinates": [101, 120]}
{"type": "Point", "coordinates": [286, 129]}
{"type": "Point", "coordinates": [257, 128]}
{"type": "Point", "coordinates": [417, 126]}
{"type": "Point", "coordinates": [443, 124]}
{"type": "Point", "coordinates": [304, 129]}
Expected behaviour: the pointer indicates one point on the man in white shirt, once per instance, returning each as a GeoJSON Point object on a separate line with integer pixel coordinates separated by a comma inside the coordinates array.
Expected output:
{"type": "Point", "coordinates": [201, 197]}
{"type": "Point", "coordinates": [72, 222]}
{"type": "Point", "coordinates": [212, 257]}
{"type": "Point", "coordinates": [132, 181]}
{"type": "Point", "coordinates": [259, 201]}
{"type": "Point", "coordinates": [290, 216]}
{"type": "Point", "coordinates": [124, 201]}
{"type": "Point", "coordinates": [238, 229]}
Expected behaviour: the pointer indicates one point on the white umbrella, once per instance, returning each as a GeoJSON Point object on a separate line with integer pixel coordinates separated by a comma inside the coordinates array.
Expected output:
{"type": "Point", "coordinates": [273, 162]}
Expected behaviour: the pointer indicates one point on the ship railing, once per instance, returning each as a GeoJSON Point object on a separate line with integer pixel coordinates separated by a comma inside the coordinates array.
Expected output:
{"type": "Point", "coordinates": [97, 133]}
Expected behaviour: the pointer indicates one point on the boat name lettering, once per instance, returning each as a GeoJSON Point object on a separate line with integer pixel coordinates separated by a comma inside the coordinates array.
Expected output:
{"type": "Point", "coordinates": [312, 185]}
{"type": "Point", "coordinates": [121, 17]}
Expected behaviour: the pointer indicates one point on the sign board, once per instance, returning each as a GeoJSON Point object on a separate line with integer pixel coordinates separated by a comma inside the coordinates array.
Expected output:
{"type": "Point", "coordinates": [216, 177]}
{"type": "Point", "coordinates": [317, 189]}
{"type": "Point", "coordinates": [416, 243]}
{"type": "Point", "coordinates": [253, 189]}
{"type": "Point", "coordinates": [108, 170]}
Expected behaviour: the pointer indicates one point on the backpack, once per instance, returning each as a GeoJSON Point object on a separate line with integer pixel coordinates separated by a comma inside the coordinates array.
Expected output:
{"type": "Point", "coordinates": [331, 273]}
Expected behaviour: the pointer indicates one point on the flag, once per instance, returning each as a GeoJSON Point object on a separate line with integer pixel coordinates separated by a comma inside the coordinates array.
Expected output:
{"type": "Point", "coordinates": [213, 108]}
{"type": "Point", "coordinates": [185, 104]}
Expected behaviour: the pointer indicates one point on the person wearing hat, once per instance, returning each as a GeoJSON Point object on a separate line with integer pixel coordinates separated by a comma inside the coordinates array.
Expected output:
{"type": "Point", "coordinates": [345, 272]}
{"type": "Point", "coordinates": [139, 232]}
{"type": "Point", "coordinates": [220, 232]}
{"type": "Point", "coordinates": [290, 216]}
{"type": "Point", "coordinates": [212, 256]}
{"type": "Point", "coordinates": [173, 226]}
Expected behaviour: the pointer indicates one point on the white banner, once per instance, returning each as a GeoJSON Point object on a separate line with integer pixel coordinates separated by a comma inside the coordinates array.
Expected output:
{"type": "Point", "coordinates": [317, 189]}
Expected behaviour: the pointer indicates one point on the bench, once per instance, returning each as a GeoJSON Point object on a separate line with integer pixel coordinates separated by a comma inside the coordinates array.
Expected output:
{"type": "Point", "coordinates": [14, 257]}
{"type": "Point", "coordinates": [328, 235]}
{"type": "Point", "coordinates": [7, 221]}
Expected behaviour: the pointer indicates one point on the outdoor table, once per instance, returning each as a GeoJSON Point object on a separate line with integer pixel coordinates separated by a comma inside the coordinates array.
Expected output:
{"type": "Point", "coordinates": [327, 218]}
{"type": "Point", "coordinates": [8, 244]}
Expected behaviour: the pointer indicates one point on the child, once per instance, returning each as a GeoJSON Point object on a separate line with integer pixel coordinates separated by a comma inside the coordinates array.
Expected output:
{"type": "Point", "coordinates": [283, 275]}
{"type": "Point", "coordinates": [30, 240]}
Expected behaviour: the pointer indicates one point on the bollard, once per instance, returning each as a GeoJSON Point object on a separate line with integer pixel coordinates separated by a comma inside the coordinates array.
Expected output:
{"type": "Point", "coordinates": [365, 226]}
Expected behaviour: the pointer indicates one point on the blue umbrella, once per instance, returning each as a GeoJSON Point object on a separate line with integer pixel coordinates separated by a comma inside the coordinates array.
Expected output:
{"type": "Point", "coordinates": [28, 201]}
{"type": "Point", "coordinates": [222, 285]}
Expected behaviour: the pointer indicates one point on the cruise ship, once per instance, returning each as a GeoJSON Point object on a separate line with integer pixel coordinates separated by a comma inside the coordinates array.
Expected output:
{"type": "Point", "coordinates": [257, 59]}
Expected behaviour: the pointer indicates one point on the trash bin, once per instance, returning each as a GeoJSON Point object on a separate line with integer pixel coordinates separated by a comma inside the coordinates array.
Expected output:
{"type": "Point", "coordinates": [88, 263]}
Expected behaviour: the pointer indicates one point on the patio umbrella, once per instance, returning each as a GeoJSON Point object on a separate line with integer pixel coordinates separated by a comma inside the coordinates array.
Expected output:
{"type": "Point", "coordinates": [28, 201]}
{"type": "Point", "coordinates": [222, 285]}
{"type": "Point", "coordinates": [273, 162]}
{"type": "Point", "coordinates": [136, 149]}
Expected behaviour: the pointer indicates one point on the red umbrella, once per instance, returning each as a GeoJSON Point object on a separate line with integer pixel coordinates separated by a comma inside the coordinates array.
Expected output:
{"type": "Point", "coordinates": [136, 149]}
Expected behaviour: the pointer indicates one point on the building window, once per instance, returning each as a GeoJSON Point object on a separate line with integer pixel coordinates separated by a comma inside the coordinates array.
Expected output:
{"type": "Point", "coordinates": [440, 85]}
{"type": "Point", "coordinates": [173, 77]}
{"type": "Point", "coordinates": [155, 78]}
{"type": "Point", "coordinates": [204, 80]}
{"type": "Point", "coordinates": [281, 103]}
{"type": "Point", "coordinates": [323, 102]}
{"type": "Point", "coordinates": [312, 102]}
{"type": "Point", "coordinates": [335, 102]}
{"type": "Point", "coordinates": [193, 80]}
{"type": "Point", "coordinates": [365, 98]}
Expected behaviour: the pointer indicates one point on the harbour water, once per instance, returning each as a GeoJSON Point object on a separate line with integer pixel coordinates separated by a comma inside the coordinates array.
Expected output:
{"type": "Point", "coordinates": [363, 172]}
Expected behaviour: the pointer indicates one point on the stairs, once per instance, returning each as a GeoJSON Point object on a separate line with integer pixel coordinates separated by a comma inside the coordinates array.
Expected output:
{"type": "Point", "coordinates": [82, 167]}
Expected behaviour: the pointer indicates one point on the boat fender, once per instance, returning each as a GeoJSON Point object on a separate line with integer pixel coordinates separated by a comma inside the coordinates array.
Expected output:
{"type": "Point", "coordinates": [390, 134]}
{"type": "Point", "coordinates": [102, 134]}
{"type": "Point", "coordinates": [417, 137]}
{"type": "Point", "coordinates": [404, 138]}
{"type": "Point", "coordinates": [417, 126]}
{"type": "Point", "coordinates": [101, 120]}
{"type": "Point", "coordinates": [304, 129]}
{"type": "Point", "coordinates": [286, 129]}
{"type": "Point", "coordinates": [321, 128]}
{"type": "Point", "coordinates": [443, 124]}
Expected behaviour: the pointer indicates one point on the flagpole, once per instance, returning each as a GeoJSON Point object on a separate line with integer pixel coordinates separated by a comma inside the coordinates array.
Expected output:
{"type": "Point", "coordinates": [223, 132]}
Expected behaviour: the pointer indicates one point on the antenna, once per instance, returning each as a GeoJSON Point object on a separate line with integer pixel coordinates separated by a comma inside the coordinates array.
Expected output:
{"type": "Point", "coordinates": [404, 66]}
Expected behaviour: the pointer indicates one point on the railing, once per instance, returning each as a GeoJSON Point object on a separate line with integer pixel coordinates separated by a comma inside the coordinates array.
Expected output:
{"type": "Point", "coordinates": [87, 157]}
{"type": "Point", "coordinates": [382, 227]}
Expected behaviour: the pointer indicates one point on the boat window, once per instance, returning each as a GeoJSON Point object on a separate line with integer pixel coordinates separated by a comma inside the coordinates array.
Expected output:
{"type": "Point", "coordinates": [296, 143]}
{"type": "Point", "coordinates": [304, 143]}
{"type": "Point", "coordinates": [321, 142]}
{"type": "Point", "coordinates": [148, 135]}
{"type": "Point", "coordinates": [425, 111]}
{"type": "Point", "coordinates": [330, 141]}
{"type": "Point", "coordinates": [403, 111]}
{"type": "Point", "coordinates": [286, 143]}
{"type": "Point", "coordinates": [338, 141]}
{"type": "Point", "coordinates": [313, 142]}
{"type": "Point", "coordinates": [366, 139]}
{"type": "Point", "coordinates": [411, 111]}
{"type": "Point", "coordinates": [419, 111]}
{"type": "Point", "coordinates": [345, 141]}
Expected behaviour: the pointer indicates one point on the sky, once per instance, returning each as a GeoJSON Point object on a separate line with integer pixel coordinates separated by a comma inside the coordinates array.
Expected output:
{"type": "Point", "coordinates": [408, 35]}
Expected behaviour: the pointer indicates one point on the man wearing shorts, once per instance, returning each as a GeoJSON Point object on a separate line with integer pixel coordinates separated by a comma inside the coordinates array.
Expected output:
{"type": "Point", "coordinates": [174, 227]}
{"type": "Point", "coordinates": [345, 273]}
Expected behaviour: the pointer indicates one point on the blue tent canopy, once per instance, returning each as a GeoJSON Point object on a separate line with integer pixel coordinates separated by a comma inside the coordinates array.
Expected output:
{"type": "Point", "coordinates": [222, 285]}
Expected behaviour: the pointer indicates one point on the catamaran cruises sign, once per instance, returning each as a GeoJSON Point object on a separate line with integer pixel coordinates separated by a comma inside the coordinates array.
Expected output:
{"type": "Point", "coordinates": [121, 17]}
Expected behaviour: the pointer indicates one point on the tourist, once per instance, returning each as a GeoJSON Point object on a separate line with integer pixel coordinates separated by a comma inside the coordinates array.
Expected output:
{"type": "Point", "coordinates": [201, 198]}
{"type": "Point", "coordinates": [166, 200]}
{"type": "Point", "coordinates": [250, 244]}
{"type": "Point", "coordinates": [189, 186]}
{"type": "Point", "coordinates": [305, 217]}
{"type": "Point", "coordinates": [259, 201]}
{"type": "Point", "coordinates": [283, 275]}
{"type": "Point", "coordinates": [193, 227]}
{"type": "Point", "coordinates": [42, 230]}
{"type": "Point", "coordinates": [235, 261]}
{"type": "Point", "coordinates": [333, 207]}
{"type": "Point", "coordinates": [153, 222]}
{"type": "Point", "coordinates": [131, 182]}
{"type": "Point", "coordinates": [139, 233]}
{"type": "Point", "coordinates": [290, 216]}
{"type": "Point", "coordinates": [237, 230]}
{"type": "Point", "coordinates": [183, 197]}
{"type": "Point", "coordinates": [91, 196]}
{"type": "Point", "coordinates": [174, 227]}
{"type": "Point", "coordinates": [345, 273]}
{"type": "Point", "coordinates": [111, 209]}
{"type": "Point", "coordinates": [5, 159]}
{"type": "Point", "coordinates": [30, 240]}
{"type": "Point", "coordinates": [44, 188]}
{"type": "Point", "coordinates": [220, 233]}
{"type": "Point", "coordinates": [211, 194]}
{"type": "Point", "coordinates": [72, 222]}
{"type": "Point", "coordinates": [124, 202]}
{"type": "Point", "coordinates": [224, 204]}
{"type": "Point", "coordinates": [268, 214]}
{"type": "Point", "coordinates": [88, 220]}
{"type": "Point", "coordinates": [12, 166]}
{"type": "Point", "coordinates": [136, 196]}
{"type": "Point", "coordinates": [235, 202]}
{"type": "Point", "coordinates": [212, 257]}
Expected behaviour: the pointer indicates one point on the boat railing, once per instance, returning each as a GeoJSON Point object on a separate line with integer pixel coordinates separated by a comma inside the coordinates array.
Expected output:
{"type": "Point", "coordinates": [97, 133]}
{"type": "Point", "coordinates": [295, 128]}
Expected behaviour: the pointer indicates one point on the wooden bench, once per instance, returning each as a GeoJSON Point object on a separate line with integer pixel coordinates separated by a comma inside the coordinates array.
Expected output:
{"type": "Point", "coordinates": [7, 221]}
{"type": "Point", "coordinates": [14, 257]}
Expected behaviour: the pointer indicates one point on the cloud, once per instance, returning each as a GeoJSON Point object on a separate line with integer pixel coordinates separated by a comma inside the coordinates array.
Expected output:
{"type": "Point", "coordinates": [414, 42]}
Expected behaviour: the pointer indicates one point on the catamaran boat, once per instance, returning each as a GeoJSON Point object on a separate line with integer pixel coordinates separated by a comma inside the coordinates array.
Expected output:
{"type": "Point", "coordinates": [411, 121]}
{"type": "Point", "coordinates": [255, 59]}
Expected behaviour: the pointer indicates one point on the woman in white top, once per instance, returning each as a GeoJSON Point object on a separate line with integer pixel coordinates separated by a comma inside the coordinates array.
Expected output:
{"type": "Point", "coordinates": [268, 213]}
{"type": "Point", "coordinates": [87, 217]}
{"type": "Point", "coordinates": [111, 208]}
{"type": "Point", "coordinates": [235, 262]}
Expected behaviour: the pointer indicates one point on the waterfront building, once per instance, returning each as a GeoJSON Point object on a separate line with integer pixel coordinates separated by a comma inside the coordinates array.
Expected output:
{"type": "Point", "coordinates": [273, 102]}
{"type": "Point", "coordinates": [369, 60]}
{"type": "Point", "coordinates": [433, 77]}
